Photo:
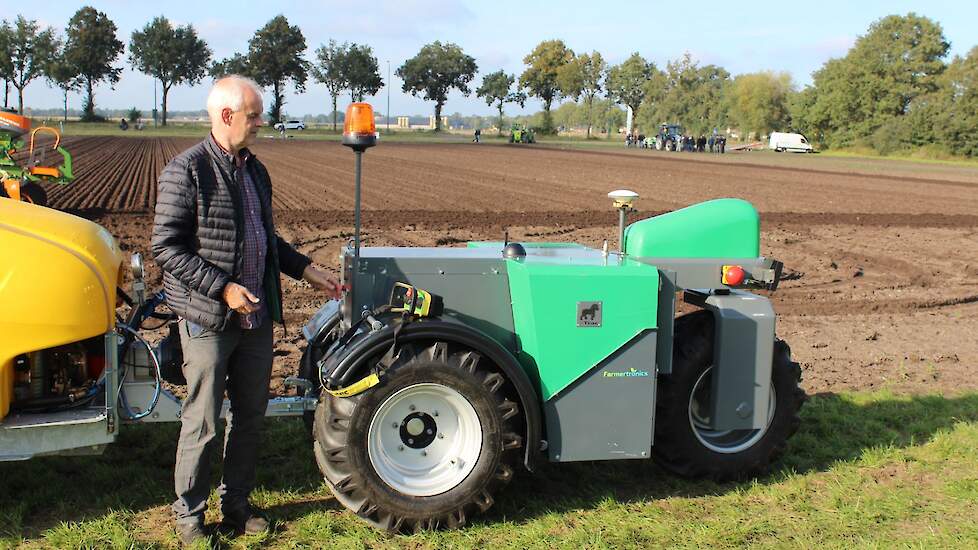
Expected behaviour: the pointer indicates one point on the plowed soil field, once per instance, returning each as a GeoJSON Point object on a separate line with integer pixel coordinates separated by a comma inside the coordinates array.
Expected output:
{"type": "Point", "coordinates": [881, 256]}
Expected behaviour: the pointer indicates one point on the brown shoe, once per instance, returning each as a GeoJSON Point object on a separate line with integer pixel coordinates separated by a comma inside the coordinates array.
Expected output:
{"type": "Point", "coordinates": [247, 520]}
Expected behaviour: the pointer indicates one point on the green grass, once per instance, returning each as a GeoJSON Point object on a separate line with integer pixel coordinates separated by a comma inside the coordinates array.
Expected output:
{"type": "Point", "coordinates": [865, 471]}
{"type": "Point", "coordinates": [922, 156]}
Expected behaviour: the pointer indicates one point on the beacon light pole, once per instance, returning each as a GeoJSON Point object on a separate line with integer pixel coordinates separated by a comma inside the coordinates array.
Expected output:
{"type": "Point", "coordinates": [359, 133]}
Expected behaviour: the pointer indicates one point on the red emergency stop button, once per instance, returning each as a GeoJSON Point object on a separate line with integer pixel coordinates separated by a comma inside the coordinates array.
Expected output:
{"type": "Point", "coordinates": [733, 275]}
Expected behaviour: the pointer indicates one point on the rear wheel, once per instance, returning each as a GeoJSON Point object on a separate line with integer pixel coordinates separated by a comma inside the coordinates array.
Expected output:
{"type": "Point", "coordinates": [684, 442]}
{"type": "Point", "coordinates": [427, 448]}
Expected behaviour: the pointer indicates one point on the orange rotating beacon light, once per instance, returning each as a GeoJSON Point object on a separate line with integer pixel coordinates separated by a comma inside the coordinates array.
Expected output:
{"type": "Point", "coordinates": [359, 133]}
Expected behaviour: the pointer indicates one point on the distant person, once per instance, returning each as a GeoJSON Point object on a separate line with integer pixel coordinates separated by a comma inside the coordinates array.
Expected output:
{"type": "Point", "coordinates": [123, 125]}
{"type": "Point", "coordinates": [723, 144]}
{"type": "Point", "coordinates": [478, 135]}
{"type": "Point", "coordinates": [709, 142]}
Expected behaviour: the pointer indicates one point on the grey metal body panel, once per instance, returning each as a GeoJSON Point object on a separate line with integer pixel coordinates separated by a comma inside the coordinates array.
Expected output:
{"type": "Point", "coordinates": [475, 290]}
{"type": "Point", "coordinates": [706, 272]}
{"type": "Point", "coordinates": [665, 319]}
{"type": "Point", "coordinates": [24, 436]}
{"type": "Point", "coordinates": [743, 351]}
{"type": "Point", "coordinates": [608, 413]}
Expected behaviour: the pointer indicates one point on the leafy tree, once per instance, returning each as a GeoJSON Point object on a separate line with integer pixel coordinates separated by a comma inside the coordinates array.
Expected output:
{"type": "Point", "coordinates": [275, 57]}
{"type": "Point", "coordinates": [350, 67]}
{"type": "Point", "coordinates": [627, 83]}
{"type": "Point", "coordinates": [497, 89]}
{"type": "Point", "coordinates": [62, 74]}
{"type": "Point", "coordinates": [6, 65]}
{"type": "Point", "coordinates": [581, 79]}
{"type": "Point", "coordinates": [92, 47]}
{"type": "Point", "coordinates": [236, 64]}
{"type": "Point", "coordinates": [134, 115]}
{"type": "Point", "coordinates": [540, 76]}
{"type": "Point", "coordinates": [955, 106]}
{"type": "Point", "coordinates": [758, 102]}
{"type": "Point", "coordinates": [361, 72]}
{"type": "Point", "coordinates": [29, 49]}
{"type": "Point", "coordinates": [686, 94]}
{"type": "Point", "coordinates": [899, 59]}
{"type": "Point", "coordinates": [436, 70]}
{"type": "Point", "coordinates": [170, 55]}
{"type": "Point", "coordinates": [328, 69]}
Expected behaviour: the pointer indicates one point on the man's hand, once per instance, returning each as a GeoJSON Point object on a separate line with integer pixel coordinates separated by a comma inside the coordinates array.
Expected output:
{"type": "Point", "coordinates": [239, 299]}
{"type": "Point", "coordinates": [321, 281]}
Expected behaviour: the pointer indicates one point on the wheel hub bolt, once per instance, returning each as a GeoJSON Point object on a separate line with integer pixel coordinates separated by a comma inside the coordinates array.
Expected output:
{"type": "Point", "coordinates": [396, 425]}
{"type": "Point", "coordinates": [441, 436]}
{"type": "Point", "coordinates": [424, 453]}
{"type": "Point", "coordinates": [436, 413]}
{"type": "Point", "coordinates": [410, 442]}
{"type": "Point", "coordinates": [411, 407]}
{"type": "Point", "coordinates": [400, 447]}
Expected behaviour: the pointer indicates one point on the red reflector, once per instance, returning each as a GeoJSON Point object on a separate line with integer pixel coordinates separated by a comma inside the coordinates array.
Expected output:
{"type": "Point", "coordinates": [94, 365]}
{"type": "Point", "coordinates": [733, 275]}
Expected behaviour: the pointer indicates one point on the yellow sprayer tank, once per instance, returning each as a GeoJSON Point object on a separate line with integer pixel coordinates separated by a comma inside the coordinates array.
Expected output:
{"type": "Point", "coordinates": [58, 277]}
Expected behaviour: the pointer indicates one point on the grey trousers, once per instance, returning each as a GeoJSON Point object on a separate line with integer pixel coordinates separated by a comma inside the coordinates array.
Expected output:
{"type": "Point", "coordinates": [238, 361]}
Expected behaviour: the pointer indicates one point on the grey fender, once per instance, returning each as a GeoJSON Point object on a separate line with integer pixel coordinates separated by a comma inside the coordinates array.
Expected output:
{"type": "Point", "coordinates": [742, 354]}
{"type": "Point", "coordinates": [356, 361]}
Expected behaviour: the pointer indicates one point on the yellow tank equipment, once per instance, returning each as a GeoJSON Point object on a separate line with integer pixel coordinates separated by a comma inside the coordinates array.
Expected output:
{"type": "Point", "coordinates": [58, 277]}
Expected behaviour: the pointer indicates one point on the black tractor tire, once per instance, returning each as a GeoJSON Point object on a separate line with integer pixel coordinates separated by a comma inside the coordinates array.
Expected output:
{"type": "Point", "coordinates": [681, 448]}
{"type": "Point", "coordinates": [350, 438]}
{"type": "Point", "coordinates": [33, 193]}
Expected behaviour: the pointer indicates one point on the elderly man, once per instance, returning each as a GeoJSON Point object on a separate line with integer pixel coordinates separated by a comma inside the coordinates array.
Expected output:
{"type": "Point", "coordinates": [215, 241]}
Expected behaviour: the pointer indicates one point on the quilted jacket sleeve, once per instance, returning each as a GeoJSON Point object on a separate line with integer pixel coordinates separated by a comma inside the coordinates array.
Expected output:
{"type": "Point", "coordinates": [174, 231]}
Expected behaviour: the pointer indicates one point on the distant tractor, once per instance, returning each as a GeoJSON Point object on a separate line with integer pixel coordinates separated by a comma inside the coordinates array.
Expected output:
{"type": "Point", "coordinates": [520, 134]}
{"type": "Point", "coordinates": [20, 182]}
{"type": "Point", "coordinates": [669, 137]}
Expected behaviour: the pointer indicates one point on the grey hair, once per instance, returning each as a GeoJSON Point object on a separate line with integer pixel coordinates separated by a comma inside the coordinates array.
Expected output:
{"type": "Point", "coordinates": [224, 95]}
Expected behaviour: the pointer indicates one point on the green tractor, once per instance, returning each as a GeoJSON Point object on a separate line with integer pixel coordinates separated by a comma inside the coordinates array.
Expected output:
{"type": "Point", "coordinates": [521, 134]}
{"type": "Point", "coordinates": [444, 371]}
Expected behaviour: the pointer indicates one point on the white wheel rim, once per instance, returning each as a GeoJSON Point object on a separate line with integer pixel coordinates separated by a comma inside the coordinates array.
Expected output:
{"type": "Point", "coordinates": [724, 441]}
{"type": "Point", "coordinates": [424, 440]}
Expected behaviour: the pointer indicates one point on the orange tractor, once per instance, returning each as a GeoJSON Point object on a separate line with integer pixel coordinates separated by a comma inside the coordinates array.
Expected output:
{"type": "Point", "coordinates": [20, 182]}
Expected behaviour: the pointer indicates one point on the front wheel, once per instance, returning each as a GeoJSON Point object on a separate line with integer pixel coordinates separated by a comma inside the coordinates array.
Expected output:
{"type": "Point", "coordinates": [428, 447]}
{"type": "Point", "coordinates": [684, 442]}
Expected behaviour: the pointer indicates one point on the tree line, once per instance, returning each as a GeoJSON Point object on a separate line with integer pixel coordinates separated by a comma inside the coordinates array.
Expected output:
{"type": "Point", "coordinates": [895, 89]}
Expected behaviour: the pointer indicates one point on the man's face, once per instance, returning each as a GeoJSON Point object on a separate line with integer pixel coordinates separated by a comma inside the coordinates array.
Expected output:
{"type": "Point", "coordinates": [243, 125]}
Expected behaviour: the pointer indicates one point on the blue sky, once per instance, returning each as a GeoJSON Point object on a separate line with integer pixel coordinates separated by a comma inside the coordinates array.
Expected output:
{"type": "Point", "coordinates": [794, 36]}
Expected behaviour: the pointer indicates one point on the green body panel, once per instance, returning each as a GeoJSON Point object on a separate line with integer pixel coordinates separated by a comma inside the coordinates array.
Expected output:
{"type": "Point", "coordinates": [499, 245]}
{"type": "Point", "coordinates": [545, 298]}
{"type": "Point", "coordinates": [721, 228]}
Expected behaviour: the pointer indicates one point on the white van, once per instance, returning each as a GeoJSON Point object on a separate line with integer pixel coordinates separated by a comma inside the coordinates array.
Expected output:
{"type": "Point", "coordinates": [784, 141]}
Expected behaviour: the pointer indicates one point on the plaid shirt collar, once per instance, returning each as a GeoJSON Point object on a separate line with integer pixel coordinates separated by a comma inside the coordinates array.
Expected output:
{"type": "Point", "coordinates": [244, 154]}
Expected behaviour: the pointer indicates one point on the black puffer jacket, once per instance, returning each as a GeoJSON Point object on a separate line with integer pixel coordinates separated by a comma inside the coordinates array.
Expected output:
{"type": "Point", "coordinates": [197, 235]}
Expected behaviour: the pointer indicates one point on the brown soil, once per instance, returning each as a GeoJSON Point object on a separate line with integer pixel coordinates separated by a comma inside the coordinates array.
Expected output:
{"type": "Point", "coordinates": [881, 259]}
